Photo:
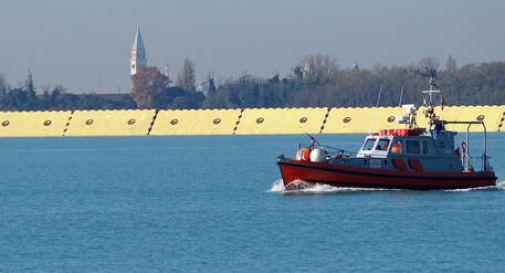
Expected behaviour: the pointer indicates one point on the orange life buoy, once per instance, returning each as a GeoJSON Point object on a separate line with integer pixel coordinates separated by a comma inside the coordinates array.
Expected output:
{"type": "Point", "coordinates": [303, 154]}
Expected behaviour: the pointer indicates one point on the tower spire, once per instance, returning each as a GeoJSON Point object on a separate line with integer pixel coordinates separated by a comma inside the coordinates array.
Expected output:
{"type": "Point", "coordinates": [138, 55]}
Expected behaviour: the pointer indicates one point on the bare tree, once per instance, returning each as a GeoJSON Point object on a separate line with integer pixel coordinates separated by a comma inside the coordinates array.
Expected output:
{"type": "Point", "coordinates": [4, 87]}
{"type": "Point", "coordinates": [318, 68]}
{"type": "Point", "coordinates": [428, 67]}
{"type": "Point", "coordinates": [451, 66]}
{"type": "Point", "coordinates": [186, 77]}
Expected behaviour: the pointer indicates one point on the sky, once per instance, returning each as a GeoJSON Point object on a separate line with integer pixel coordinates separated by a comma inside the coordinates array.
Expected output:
{"type": "Point", "coordinates": [85, 45]}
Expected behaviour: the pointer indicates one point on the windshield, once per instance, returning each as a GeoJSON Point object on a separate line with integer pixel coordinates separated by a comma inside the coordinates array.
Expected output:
{"type": "Point", "coordinates": [383, 145]}
{"type": "Point", "coordinates": [369, 144]}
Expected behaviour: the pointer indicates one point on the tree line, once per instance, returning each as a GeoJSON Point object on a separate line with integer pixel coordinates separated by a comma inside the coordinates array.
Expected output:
{"type": "Point", "coordinates": [317, 81]}
{"type": "Point", "coordinates": [24, 97]}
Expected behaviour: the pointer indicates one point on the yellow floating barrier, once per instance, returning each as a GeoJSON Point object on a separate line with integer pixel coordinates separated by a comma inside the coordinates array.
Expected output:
{"type": "Point", "coordinates": [366, 120]}
{"type": "Point", "coordinates": [196, 122]}
{"type": "Point", "coordinates": [110, 123]}
{"type": "Point", "coordinates": [490, 115]}
{"type": "Point", "coordinates": [501, 123]}
{"type": "Point", "coordinates": [33, 124]}
{"type": "Point", "coordinates": [281, 121]}
{"type": "Point", "coordinates": [362, 120]}
{"type": "Point", "coordinates": [235, 121]}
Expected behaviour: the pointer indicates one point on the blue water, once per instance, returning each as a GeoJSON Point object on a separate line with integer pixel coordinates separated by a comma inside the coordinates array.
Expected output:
{"type": "Point", "coordinates": [211, 204]}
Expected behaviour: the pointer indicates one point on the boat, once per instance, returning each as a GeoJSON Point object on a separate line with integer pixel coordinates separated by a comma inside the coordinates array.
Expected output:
{"type": "Point", "coordinates": [409, 157]}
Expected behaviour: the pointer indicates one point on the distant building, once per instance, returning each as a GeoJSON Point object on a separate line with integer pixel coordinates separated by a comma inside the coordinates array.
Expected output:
{"type": "Point", "coordinates": [115, 97]}
{"type": "Point", "coordinates": [167, 74]}
{"type": "Point", "coordinates": [355, 65]}
{"type": "Point", "coordinates": [138, 57]}
{"type": "Point", "coordinates": [203, 87]}
{"type": "Point", "coordinates": [206, 86]}
{"type": "Point", "coordinates": [306, 71]}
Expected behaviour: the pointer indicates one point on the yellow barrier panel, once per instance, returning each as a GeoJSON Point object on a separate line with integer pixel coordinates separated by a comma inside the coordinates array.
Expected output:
{"type": "Point", "coordinates": [365, 120]}
{"type": "Point", "coordinates": [195, 122]}
{"type": "Point", "coordinates": [281, 121]}
{"type": "Point", "coordinates": [33, 124]}
{"type": "Point", "coordinates": [110, 123]}
{"type": "Point", "coordinates": [362, 120]}
{"type": "Point", "coordinates": [501, 123]}
{"type": "Point", "coordinates": [491, 116]}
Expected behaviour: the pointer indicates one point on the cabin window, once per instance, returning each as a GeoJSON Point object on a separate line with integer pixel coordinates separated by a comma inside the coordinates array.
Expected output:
{"type": "Point", "coordinates": [426, 148]}
{"type": "Point", "coordinates": [413, 147]}
{"type": "Point", "coordinates": [369, 144]}
{"type": "Point", "coordinates": [397, 147]}
{"type": "Point", "coordinates": [383, 145]}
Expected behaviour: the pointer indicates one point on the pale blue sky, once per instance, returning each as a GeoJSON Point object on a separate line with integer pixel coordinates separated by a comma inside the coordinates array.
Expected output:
{"type": "Point", "coordinates": [85, 45]}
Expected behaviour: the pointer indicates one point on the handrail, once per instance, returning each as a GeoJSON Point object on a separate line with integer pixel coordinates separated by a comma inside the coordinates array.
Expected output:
{"type": "Point", "coordinates": [462, 122]}
{"type": "Point", "coordinates": [484, 152]}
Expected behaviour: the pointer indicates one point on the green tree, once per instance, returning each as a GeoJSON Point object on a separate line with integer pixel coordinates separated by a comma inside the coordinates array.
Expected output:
{"type": "Point", "coordinates": [186, 77]}
{"type": "Point", "coordinates": [29, 89]}
{"type": "Point", "coordinates": [4, 89]}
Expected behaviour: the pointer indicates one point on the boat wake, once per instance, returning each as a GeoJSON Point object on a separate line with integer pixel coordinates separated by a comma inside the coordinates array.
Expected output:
{"type": "Point", "coordinates": [304, 187]}
{"type": "Point", "coordinates": [310, 188]}
{"type": "Point", "coordinates": [500, 186]}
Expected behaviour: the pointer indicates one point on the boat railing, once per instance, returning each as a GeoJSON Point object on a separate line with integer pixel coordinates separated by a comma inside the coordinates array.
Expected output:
{"type": "Point", "coordinates": [483, 159]}
{"type": "Point", "coordinates": [333, 152]}
{"type": "Point", "coordinates": [338, 152]}
{"type": "Point", "coordinates": [479, 163]}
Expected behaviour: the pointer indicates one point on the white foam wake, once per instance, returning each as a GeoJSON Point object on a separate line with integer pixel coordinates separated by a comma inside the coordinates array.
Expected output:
{"type": "Point", "coordinates": [500, 186]}
{"type": "Point", "coordinates": [278, 186]}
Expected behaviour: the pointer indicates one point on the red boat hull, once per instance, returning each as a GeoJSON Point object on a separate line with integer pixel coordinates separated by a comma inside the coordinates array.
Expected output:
{"type": "Point", "coordinates": [342, 176]}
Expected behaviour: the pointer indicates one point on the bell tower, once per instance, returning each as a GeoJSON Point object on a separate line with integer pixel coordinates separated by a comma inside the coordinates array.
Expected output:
{"type": "Point", "coordinates": [138, 56]}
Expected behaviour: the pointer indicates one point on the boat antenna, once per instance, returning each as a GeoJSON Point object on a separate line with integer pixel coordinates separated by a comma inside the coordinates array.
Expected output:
{"type": "Point", "coordinates": [372, 119]}
{"type": "Point", "coordinates": [313, 140]}
{"type": "Point", "coordinates": [401, 96]}
{"type": "Point", "coordinates": [433, 89]}
{"type": "Point", "coordinates": [379, 96]}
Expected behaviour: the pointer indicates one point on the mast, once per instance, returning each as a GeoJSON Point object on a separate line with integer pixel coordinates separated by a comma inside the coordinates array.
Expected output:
{"type": "Point", "coordinates": [434, 89]}
{"type": "Point", "coordinates": [431, 91]}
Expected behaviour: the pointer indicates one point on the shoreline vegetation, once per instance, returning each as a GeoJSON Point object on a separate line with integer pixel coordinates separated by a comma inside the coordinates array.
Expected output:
{"type": "Point", "coordinates": [317, 81]}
